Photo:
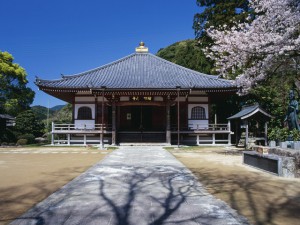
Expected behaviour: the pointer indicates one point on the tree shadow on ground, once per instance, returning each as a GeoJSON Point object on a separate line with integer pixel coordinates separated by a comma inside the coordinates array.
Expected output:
{"type": "Point", "coordinates": [16, 200]}
{"type": "Point", "coordinates": [170, 200]}
{"type": "Point", "coordinates": [129, 195]}
{"type": "Point", "coordinates": [262, 200]}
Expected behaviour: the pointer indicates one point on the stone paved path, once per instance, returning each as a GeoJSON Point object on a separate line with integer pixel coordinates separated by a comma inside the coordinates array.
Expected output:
{"type": "Point", "coordinates": [133, 186]}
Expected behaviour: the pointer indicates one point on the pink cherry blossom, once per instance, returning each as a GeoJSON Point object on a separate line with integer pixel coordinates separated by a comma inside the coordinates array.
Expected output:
{"type": "Point", "coordinates": [253, 50]}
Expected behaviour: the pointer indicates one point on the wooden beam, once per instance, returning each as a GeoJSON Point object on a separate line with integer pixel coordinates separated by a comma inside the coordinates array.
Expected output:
{"type": "Point", "coordinates": [141, 103]}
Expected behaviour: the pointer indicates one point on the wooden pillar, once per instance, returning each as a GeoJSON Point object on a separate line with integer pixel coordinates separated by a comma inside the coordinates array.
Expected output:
{"type": "Point", "coordinates": [102, 119]}
{"type": "Point", "coordinates": [178, 116]}
{"type": "Point", "coordinates": [69, 139]}
{"type": "Point", "coordinates": [113, 123]}
{"type": "Point", "coordinates": [247, 133]}
{"type": "Point", "coordinates": [96, 109]}
{"type": "Point", "coordinates": [213, 137]}
{"type": "Point", "coordinates": [84, 139]}
{"type": "Point", "coordinates": [266, 133]}
{"type": "Point", "coordinates": [52, 134]}
{"type": "Point", "coordinates": [73, 111]}
{"type": "Point", "coordinates": [237, 132]}
{"type": "Point", "coordinates": [168, 122]}
{"type": "Point", "coordinates": [229, 134]}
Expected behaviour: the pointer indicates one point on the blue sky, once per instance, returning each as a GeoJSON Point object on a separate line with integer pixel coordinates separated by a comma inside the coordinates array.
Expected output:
{"type": "Point", "coordinates": [54, 37]}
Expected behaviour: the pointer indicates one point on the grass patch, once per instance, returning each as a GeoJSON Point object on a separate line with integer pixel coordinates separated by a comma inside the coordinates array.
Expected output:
{"type": "Point", "coordinates": [169, 148]}
{"type": "Point", "coordinates": [112, 148]}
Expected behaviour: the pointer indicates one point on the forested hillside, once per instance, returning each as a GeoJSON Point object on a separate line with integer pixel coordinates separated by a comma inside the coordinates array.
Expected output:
{"type": "Point", "coordinates": [187, 54]}
{"type": "Point", "coordinates": [57, 114]}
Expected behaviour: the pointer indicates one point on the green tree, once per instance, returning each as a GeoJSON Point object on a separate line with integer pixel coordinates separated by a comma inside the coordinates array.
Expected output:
{"type": "Point", "coordinates": [273, 95]}
{"type": "Point", "coordinates": [217, 13]}
{"type": "Point", "coordinates": [27, 123]}
{"type": "Point", "coordinates": [187, 54]}
{"type": "Point", "coordinates": [14, 95]}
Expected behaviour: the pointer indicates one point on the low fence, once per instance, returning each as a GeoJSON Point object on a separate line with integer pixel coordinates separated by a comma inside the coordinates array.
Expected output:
{"type": "Point", "coordinates": [211, 134]}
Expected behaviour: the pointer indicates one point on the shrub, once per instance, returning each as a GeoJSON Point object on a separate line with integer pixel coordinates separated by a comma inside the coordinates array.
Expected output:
{"type": "Point", "coordinates": [274, 134]}
{"type": "Point", "coordinates": [4, 144]}
{"type": "Point", "coordinates": [295, 134]}
{"type": "Point", "coordinates": [278, 134]}
{"type": "Point", "coordinates": [49, 138]}
{"type": "Point", "coordinates": [8, 136]}
{"type": "Point", "coordinates": [284, 133]}
{"type": "Point", "coordinates": [29, 137]}
{"type": "Point", "coordinates": [22, 142]}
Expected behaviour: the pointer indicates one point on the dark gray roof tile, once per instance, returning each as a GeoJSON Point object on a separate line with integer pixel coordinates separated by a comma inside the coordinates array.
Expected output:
{"type": "Point", "coordinates": [138, 71]}
{"type": "Point", "coordinates": [248, 111]}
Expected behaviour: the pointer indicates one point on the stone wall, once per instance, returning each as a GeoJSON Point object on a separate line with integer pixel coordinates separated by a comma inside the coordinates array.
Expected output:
{"type": "Point", "coordinates": [288, 153]}
{"type": "Point", "coordinates": [290, 159]}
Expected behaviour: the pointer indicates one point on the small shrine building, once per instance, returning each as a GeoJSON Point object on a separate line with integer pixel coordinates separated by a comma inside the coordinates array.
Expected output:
{"type": "Point", "coordinates": [140, 98]}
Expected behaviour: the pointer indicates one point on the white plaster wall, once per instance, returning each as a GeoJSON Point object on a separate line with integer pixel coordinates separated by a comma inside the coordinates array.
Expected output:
{"type": "Point", "coordinates": [100, 99]}
{"type": "Point", "coordinates": [198, 99]}
{"type": "Point", "coordinates": [85, 99]}
{"type": "Point", "coordinates": [124, 99]}
{"type": "Point", "coordinates": [83, 93]}
{"type": "Point", "coordinates": [198, 93]}
{"type": "Point", "coordinates": [158, 98]}
{"type": "Point", "coordinates": [85, 124]}
{"type": "Point", "coordinates": [77, 106]}
{"type": "Point", "coordinates": [200, 124]}
{"type": "Point", "coordinates": [181, 99]}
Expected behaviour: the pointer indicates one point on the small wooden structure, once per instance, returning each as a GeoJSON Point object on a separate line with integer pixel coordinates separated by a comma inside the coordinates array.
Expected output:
{"type": "Point", "coordinates": [250, 118]}
{"type": "Point", "coordinates": [6, 121]}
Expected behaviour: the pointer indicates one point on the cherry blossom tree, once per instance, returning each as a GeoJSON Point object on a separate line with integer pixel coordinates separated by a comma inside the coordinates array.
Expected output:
{"type": "Point", "coordinates": [256, 49]}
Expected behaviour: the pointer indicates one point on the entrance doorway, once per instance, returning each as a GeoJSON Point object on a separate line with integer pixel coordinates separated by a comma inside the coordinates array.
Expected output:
{"type": "Point", "coordinates": [141, 118]}
{"type": "Point", "coordinates": [142, 123]}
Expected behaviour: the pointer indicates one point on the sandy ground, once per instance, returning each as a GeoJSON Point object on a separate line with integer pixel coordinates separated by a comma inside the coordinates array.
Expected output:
{"type": "Point", "coordinates": [261, 197]}
{"type": "Point", "coordinates": [29, 175]}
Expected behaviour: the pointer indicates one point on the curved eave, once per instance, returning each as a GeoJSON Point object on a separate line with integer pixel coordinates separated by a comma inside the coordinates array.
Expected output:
{"type": "Point", "coordinates": [68, 94]}
{"type": "Point", "coordinates": [75, 89]}
{"type": "Point", "coordinates": [256, 112]}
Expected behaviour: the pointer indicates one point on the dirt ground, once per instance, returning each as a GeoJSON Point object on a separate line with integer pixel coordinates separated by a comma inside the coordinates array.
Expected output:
{"type": "Point", "coordinates": [261, 197]}
{"type": "Point", "coordinates": [29, 175]}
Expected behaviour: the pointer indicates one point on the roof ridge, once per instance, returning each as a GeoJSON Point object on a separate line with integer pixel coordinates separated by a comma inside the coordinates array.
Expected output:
{"type": "Point", "coordinates": [100, 67]}
{"type": "Point", "coordinates": [250, 106]}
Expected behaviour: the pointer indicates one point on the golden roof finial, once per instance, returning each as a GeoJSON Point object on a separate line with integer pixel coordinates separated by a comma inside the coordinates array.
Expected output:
{"type": "Point", "coordinates": [141, 48]}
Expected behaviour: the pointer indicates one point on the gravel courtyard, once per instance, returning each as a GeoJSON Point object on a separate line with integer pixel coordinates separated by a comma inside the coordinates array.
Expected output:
{"type": "Point", "coordinates": [259, 196]}
{"type": "Point", "coordinates": [29, 175]}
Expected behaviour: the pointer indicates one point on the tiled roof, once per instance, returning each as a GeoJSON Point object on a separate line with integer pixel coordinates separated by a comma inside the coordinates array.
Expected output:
{"type": "Point", "coordinates": [249, 111]}
{"type": "Point", "coordinates": [138, 71]}
{"type": "Point", "coordinates": [6, 117]}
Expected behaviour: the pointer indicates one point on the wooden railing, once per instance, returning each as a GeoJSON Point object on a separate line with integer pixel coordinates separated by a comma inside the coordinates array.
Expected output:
{"type": "Point", "coordinates": [221, 127]}
{"type": "Point", "coordinates": [209, 127]}
{"type": "Point", "coordinates": [68, 127]}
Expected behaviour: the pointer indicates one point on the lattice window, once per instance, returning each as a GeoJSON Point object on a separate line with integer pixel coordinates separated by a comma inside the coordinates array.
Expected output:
{"type": "Point", "coordinates": [198, 113]}
{"type": "Point", "coordinates": [84, 113]}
